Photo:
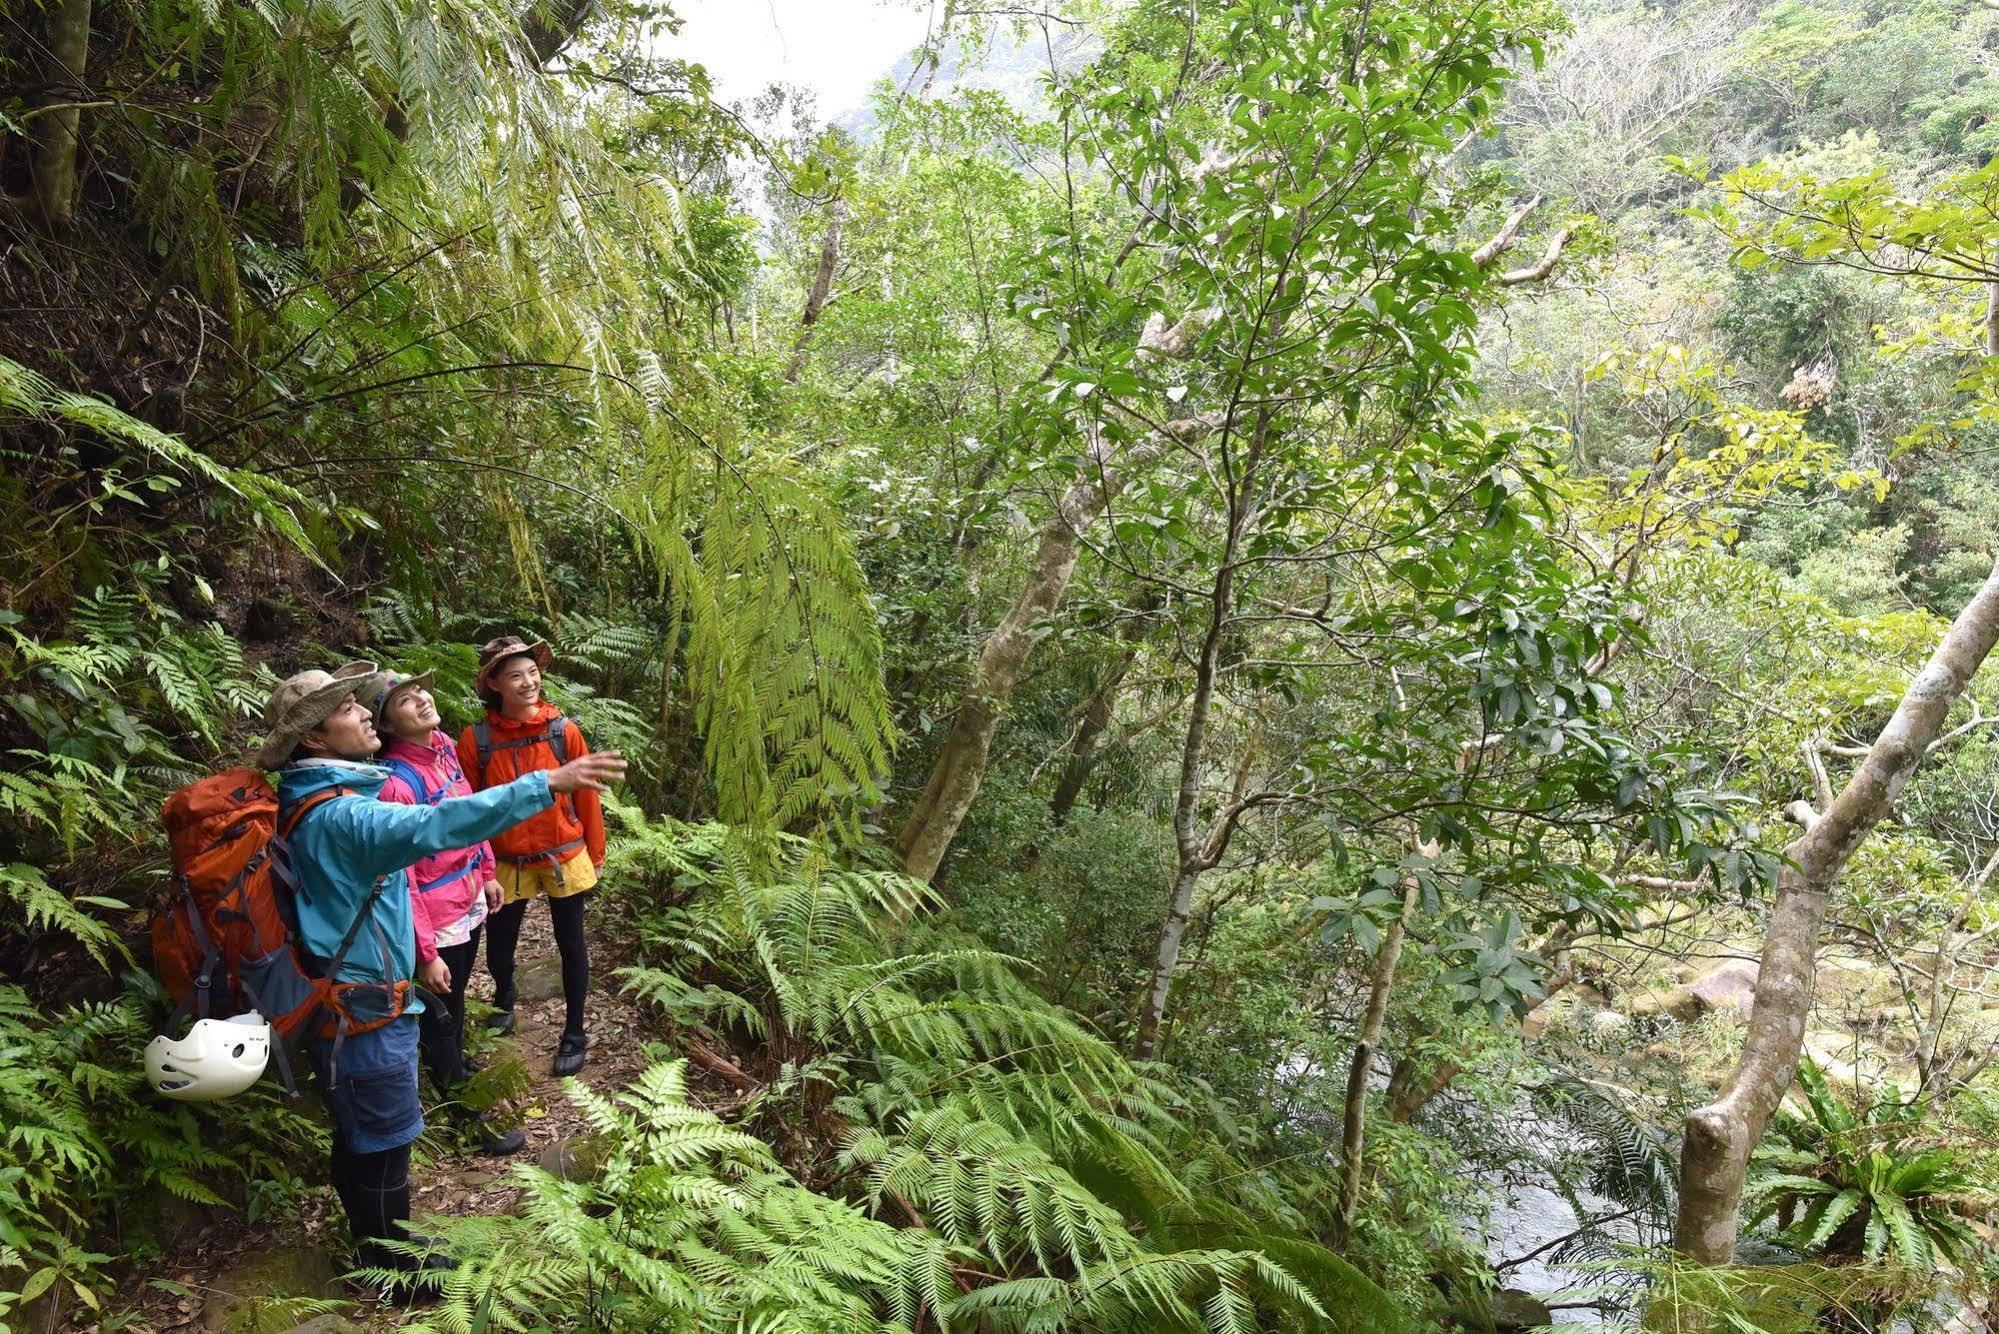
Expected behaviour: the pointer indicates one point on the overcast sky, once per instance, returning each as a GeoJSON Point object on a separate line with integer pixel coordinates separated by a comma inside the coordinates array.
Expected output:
{"type": "Point", "coordinates": [837, 48]}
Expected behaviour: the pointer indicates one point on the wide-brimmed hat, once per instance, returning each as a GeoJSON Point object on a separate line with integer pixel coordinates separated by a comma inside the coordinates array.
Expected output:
{"type": "Point", "coordinates": [305, 700]}
{"type": "Point", "coordinates": [392, 683]}
{"type": "Point", "coordinates": [497, 651]}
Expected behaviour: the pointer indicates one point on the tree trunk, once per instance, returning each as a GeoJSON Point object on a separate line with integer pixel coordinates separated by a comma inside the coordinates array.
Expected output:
{"type": "Point", "coordinates": [822, 286]}
{"type": "Point", "coordinates": [1353, 1131]}
{"type": "Point", "coordinates": [1097, 718]}
{"type": "Point", "coordinates": [961, 765]}
{"type": "Point", "coordinates": [1166, 961]}
{"type": "Point", "coordinates": [1083, 754]}
{"type": "Point", "coordinates": [1196, 854]}
{"type": "Point", "coordinates": [550, 25]}
{"type": "Point", "coordinates": [1721, 1135]}
{"type": "Point", "coordinates": [57, 133]}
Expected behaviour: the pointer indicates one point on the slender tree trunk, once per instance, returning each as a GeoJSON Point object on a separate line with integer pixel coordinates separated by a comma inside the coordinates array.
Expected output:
{"type": "Point", "coordinates": [1083, 754]}
{"type": "Point", "coordinates": [58, 133]}
{"type": "Point", "coordinates": [1721, 1135]}
{"type": "Point", "coordinates": [961, 765]}
{"type": "Point", "coordinates": [1196, 853]}
{"type": "Point", "coordinates": [1166, 961]}
{"type": "Point", "coordinates": [1097, 711]}
{"type": "Point", "coordinates": [1353, 1129]}
{"type": "Point", "coordinates": [822, 286]}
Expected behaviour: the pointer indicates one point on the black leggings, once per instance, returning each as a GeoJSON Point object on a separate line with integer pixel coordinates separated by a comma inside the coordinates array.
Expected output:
{"type": "Point", "coordinates": [503, 934]}
{"type": "Point", "coordinates": [442, 1023]}
{"type": "Point", "coordinates": [374, 1188]}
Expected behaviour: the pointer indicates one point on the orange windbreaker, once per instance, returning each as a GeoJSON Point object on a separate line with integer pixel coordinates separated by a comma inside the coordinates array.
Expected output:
{"type": "Point", "coordinates": [578, 815]}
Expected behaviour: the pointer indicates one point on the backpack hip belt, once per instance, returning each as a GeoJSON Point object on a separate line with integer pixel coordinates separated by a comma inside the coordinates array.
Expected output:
{"type": "Point", "coordinates": [555, 857]}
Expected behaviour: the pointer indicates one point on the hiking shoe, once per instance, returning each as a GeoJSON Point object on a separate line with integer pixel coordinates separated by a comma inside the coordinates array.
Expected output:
{"type": "Point", "coordinates": [502, 1018]}
{"type": "Point", "coordinates": [569, 1054]}
{"type": "Point", "coordinates": [505, 1144]}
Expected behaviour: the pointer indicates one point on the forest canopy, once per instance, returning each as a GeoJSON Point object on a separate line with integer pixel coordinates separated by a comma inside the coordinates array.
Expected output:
{"type": "Point", "coordinates": [1286, 665]}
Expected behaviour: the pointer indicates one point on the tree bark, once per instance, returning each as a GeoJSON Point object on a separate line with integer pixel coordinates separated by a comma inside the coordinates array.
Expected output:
{"type": "Point", "coordinates": [1353, 1130]}
{"type": "Point", "coordinates": [822, 286]}
{"type": "Point", "coordinates": [1198, 852]}
{"type": "Point", "coordinates": [1097, 711]}
{"type": "Point", "coordinates": [1083, 753]}
{"type": "Point", "coordinates": [961, 765]}
{"type": "Point", "coordinates": [1720, 1136]}
{"type": "Point", "coordinates": [550, 25]}
{"type": "Point", "coordinates": [58, 133]}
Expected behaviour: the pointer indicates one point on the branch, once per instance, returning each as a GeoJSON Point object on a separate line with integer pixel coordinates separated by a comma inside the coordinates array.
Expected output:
{"type": "Point", "coordinates": [1978, 719]}
{"type": "Point", "coordinates": [1821, 784]}
{"type": "Point", "coordinates": [1662, 885]}
{"type": "Point", "coordinates": [1802, 814]}
{"type": "Point", "coordinates": [1157, 342]}
{"type": "Point", "coordinates": [1541, 267]}
{"type": "Point", "coordinates": [1502, 241]}
{"type": "Point", "coordinates": [721, 1065]}
{"type": "Point", "coordinates": [550, 25]}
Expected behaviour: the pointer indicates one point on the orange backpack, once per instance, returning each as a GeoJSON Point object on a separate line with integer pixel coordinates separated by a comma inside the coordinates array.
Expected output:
{"type": "Point", "coordinates": [225, 940]}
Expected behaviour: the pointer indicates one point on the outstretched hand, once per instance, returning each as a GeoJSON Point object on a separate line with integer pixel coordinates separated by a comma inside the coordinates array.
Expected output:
{"type": "Point", "coordinates": [596, 771]}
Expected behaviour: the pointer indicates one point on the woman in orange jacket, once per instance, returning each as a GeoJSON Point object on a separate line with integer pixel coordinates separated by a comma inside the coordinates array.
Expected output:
{"type": "Point", "coordinates": [558, 853]}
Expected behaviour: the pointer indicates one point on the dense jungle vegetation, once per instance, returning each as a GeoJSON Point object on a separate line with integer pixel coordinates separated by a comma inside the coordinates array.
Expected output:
{"type": "Point", "coordinates": [1250, 632]}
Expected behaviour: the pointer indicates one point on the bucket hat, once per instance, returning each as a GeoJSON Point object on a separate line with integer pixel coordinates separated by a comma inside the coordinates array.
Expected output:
{"type": "Point", "coordinates": [306, 699]}
{"type": "Point", "coordinates": [497, 651]}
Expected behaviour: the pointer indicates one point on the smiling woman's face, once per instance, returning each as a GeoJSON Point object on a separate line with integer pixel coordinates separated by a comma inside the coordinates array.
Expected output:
{"type": "Point", "coordinates": [518, 684]}
{"type": "Point", "coordinates": [412, 714]}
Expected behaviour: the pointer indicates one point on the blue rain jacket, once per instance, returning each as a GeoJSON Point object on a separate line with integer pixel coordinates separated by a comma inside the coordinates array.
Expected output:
{"type": "Point", "coordinates": [341, 847]}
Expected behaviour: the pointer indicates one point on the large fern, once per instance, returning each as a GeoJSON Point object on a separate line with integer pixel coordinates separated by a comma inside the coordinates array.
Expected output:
{"type": "Point", "coordinates": [1051, 1183]}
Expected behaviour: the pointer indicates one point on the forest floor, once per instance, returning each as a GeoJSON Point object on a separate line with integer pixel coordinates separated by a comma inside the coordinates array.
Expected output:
{"type": "Point", "coordinates": [223, 1275]}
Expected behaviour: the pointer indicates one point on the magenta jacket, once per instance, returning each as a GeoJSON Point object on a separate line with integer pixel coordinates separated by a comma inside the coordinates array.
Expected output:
{"type": "Point", "coordinates": [444, 886]}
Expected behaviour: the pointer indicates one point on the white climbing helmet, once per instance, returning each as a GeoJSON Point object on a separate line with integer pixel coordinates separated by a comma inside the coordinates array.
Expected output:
{"type": "Point", "coordinates": [218, 1058]}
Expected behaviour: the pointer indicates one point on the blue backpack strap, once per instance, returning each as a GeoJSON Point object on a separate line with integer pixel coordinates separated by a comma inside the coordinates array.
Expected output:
{"type": "Point", "coordinates": [413, 779]}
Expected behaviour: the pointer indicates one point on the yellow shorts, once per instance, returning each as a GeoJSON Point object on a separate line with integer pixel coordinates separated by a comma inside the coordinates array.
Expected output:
{"type": "Point", "coordinates": [524, 882]}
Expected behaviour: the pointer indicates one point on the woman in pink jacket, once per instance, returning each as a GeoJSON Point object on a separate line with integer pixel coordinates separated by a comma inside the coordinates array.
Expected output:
{"type": "Point", "coordinates": [451, 892]}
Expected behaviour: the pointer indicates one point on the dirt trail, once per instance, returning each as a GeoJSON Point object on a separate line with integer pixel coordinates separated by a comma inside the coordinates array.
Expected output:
{"type": "Point", "coordinates": [221, 1273]}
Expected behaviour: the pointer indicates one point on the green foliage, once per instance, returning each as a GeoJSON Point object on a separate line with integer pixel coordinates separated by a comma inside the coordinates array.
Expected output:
{"type": "Point", "coordinates": [692, 1222]}
{"type": "Point", "coordinates": [87, 1147]}
{"type": "Point", "coordinates": [1847, 1182]}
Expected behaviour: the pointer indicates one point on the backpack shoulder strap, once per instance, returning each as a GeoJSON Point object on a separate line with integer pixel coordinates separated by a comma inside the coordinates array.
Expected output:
{"type": "Point", "coordinates": [558, 739]}
{"type": "Point", "coordinates": [312, 802]}
{"type": "Point", "coordinates": [482, 742]}
{"type": "Point", "coordinates": [412, 779]}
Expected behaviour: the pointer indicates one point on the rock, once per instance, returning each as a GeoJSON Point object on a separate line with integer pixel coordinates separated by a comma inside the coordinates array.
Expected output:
{"type": "Point", "coordinates": [1539, 1019]}
{"type": "Point", "coordinates": [539, 979]}
{"type": "Point", "coordinates": [1514, 1309]}
{"type": "Point", "coordinates": [1846, 1064]}
{"type": "Point", "coordinates": [1608, 1023]}
{"type": "Point", "coordinates": [261, 1291]}
{"type": "Point", "coordinates": [330, 1323]}
{"type": "Point", "coordinates": [1729, 987]}
{"type": "Point", "coordinates": [575, 1157]}
{"type": "Point", "coordinates": [1680, 1003]}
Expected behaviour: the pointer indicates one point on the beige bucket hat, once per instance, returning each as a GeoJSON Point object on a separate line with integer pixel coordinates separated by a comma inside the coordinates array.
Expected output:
{"type": "Point", "coordinates": [305, 700]}
{"type": "Point", "coordinates": [496, 651]}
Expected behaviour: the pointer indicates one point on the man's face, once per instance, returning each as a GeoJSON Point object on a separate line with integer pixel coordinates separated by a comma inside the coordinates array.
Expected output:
{"type": "Point", "coordinates": [518, 684]}
{"type": "Point", "coordinates": [347, 734]}
{"type": "Point", "coordinates": [412, 714]}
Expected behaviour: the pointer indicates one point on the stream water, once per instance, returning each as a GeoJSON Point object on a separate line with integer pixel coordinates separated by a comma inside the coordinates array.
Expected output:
{"type": "Point", "coordinates": [1527, 1216]}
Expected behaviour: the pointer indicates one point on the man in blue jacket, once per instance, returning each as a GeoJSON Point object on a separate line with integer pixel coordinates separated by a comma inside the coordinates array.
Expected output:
{"type": "Point", "coordinates": [347, 852]}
